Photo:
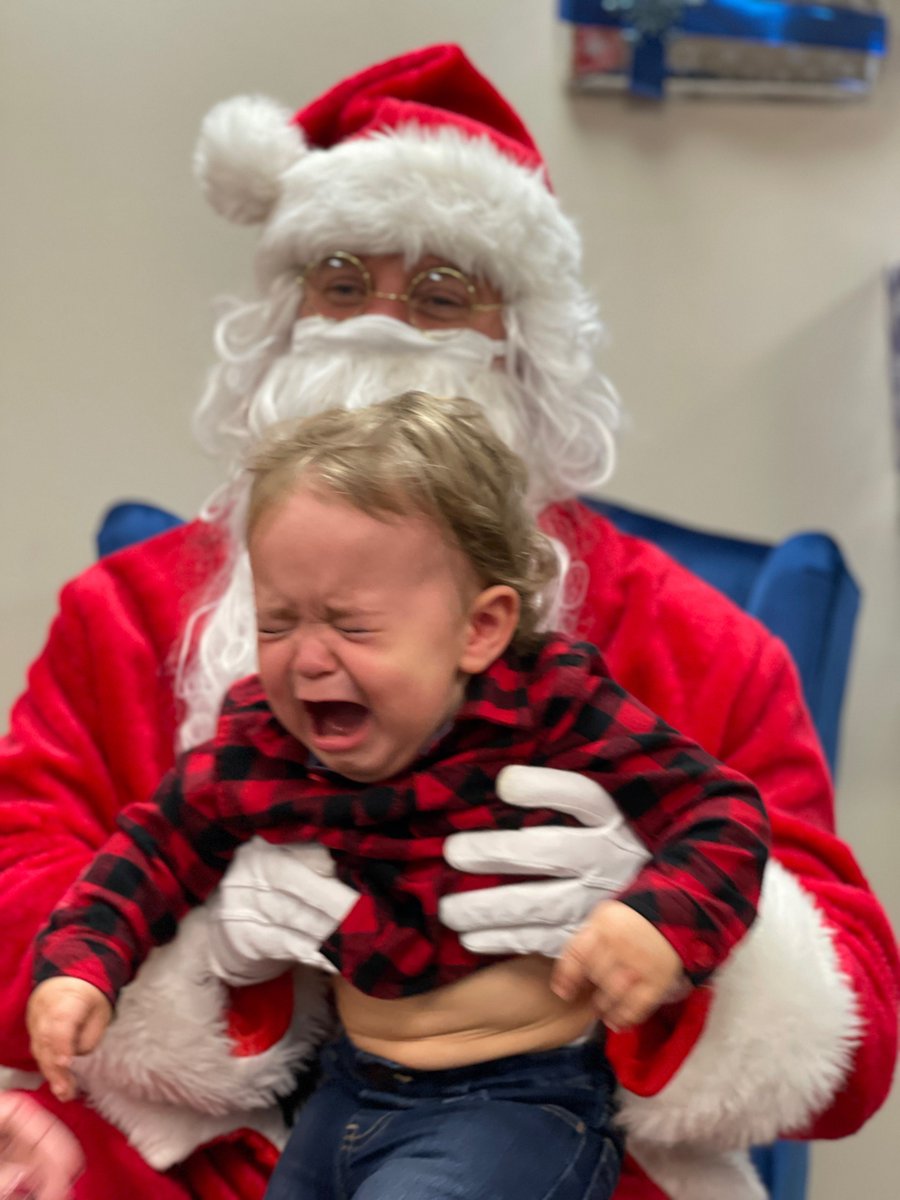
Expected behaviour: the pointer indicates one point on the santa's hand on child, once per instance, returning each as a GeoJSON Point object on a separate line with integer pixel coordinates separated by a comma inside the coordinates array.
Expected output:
{"type": "Point", "coordinates": [277, 904]}
{"type": "Point", "coordinates": [575, 867]}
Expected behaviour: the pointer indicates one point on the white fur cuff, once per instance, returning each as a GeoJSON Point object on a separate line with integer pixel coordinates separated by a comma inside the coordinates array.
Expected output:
{"type": "Point", "coordinates": [165, 1073]}
{"type": "Point", "coordinates": [778, 1040]}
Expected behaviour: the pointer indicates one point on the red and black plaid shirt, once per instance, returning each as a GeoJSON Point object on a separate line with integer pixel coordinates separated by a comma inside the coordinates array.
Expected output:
{"type": "Point", "coordinates": [704, 824]}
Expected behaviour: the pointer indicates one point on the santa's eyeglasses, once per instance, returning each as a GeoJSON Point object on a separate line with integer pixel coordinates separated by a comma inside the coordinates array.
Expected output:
{"type": "Point", "coordinates": [340, 285]}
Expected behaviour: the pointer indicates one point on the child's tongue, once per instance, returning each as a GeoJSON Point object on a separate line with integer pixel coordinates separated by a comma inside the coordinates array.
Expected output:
{"type": "Point", "coordinates": [337, 718]}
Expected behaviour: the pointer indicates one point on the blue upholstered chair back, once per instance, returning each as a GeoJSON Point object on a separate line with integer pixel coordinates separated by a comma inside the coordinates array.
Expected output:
{"type": "Point", "coordinates": [132, 521]}
{"type": "Point", "coordinates": [800, 588]}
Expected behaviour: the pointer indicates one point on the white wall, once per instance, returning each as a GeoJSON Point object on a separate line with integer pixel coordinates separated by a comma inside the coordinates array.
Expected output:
{"type": "Point", "coordinates": [737, 250]}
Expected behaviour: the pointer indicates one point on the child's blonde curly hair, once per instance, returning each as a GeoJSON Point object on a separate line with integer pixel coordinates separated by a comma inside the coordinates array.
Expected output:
{"type": "Point", "coordinates": [416, 454]}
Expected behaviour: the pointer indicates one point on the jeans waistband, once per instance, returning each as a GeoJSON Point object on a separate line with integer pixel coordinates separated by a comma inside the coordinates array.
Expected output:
{"type": "Point", "coordinates": [385, 1075]}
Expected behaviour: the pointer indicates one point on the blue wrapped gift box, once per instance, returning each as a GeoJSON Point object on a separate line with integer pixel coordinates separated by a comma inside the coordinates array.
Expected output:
{"type": "Point", "coordinates": [756, 48]}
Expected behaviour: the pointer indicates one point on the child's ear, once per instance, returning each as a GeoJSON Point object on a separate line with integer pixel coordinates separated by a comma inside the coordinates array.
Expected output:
{"type": "Point", "coordinates": [493, 620]}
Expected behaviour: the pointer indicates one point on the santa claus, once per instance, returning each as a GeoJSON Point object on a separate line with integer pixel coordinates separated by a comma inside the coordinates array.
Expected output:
{"type": "Point", "coordinates": [410, 239]}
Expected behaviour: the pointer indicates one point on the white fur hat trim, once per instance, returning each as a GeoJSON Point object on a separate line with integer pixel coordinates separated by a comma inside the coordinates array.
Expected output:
{"type": "Point", "coordinates": [409, 189]}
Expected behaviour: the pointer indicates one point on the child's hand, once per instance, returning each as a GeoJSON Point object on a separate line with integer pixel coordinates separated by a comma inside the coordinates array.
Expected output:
{"type": "Point", "coordinates": [620, 953]}
{"type": "Point", "coordinates": [65, 1017]}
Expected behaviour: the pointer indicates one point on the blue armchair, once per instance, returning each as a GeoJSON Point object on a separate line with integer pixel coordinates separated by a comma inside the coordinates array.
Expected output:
{"type": "Point", "coordinates": [132, 521]}
{"type": "Point", "coordinates": [800, 588]}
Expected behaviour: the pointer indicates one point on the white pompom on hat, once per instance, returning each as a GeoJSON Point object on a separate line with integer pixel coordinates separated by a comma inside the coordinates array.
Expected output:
{"type": "Point", "coordinates": [416, 155]}
{"type": "Point", "coordinates": [246, 145]}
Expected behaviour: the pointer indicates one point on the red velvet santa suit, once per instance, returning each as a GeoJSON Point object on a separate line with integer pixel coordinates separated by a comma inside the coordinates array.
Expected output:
{"type": "Point", "coordinates": [95, 730]}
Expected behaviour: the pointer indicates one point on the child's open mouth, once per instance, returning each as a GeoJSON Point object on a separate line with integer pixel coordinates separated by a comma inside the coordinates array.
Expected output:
{"type": "Point", "coordinates": [336, 724]}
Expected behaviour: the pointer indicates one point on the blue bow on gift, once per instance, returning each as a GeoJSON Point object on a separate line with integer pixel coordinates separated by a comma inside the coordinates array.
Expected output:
{"type": "Point", "coordinates": [649, 24]}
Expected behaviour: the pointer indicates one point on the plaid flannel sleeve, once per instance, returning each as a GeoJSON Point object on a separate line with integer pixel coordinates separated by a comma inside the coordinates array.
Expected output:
{"type": "Point", "coordinates": [705, 824]}
{"type": "Point", "coordinates": [166, 857]}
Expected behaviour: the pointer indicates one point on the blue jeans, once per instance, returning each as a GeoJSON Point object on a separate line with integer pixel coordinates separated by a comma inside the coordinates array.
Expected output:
{"type": "Point", "coordinates": [528, 1127]}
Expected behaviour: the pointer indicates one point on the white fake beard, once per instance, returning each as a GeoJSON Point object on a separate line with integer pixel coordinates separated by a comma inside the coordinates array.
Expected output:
{"type": "Point", "coordinates": [349, 364]}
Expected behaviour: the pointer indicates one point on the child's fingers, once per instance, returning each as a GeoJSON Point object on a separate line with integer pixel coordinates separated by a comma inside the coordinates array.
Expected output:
{"type": "Point", "coordinates": [54, 1058]}
{"type": "Point", "coordinates": [629, 1005]}
{"type": "Point", "coordinates": [90, 1033]}
{"type": "Point", "coordinates": [55, 1061]}
{"type": "Point", "coordinates": [567, 978]}
{"type": "Point", "coordinates": [573, 970]}
{"type": "Point", "coordinates": [613, 987]}
{"type": "Point", "coordinates": [54, 1040]}
{"type": "Point", "coordinates": [56, 1070]}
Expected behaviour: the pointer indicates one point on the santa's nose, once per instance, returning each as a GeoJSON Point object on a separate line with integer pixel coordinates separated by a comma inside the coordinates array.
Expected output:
{"type": "Point", "coordinates": [387, 304]}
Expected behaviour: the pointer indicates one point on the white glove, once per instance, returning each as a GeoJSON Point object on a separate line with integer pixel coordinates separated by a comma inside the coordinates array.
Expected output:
{"type": "Point", "coordinates": [275, 906]}
{"type": "Point", "coordinates": [587, 865]}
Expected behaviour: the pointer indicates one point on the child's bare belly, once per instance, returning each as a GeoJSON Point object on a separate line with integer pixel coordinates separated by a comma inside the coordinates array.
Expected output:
{"type": "Point", "coordinates": [506, 1008]}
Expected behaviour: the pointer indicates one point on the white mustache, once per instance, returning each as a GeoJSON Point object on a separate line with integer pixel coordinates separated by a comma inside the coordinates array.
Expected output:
{"type": "Point", "coordinates": [379, 333]}
{"type": "Point", "coordinates": [366, 359]}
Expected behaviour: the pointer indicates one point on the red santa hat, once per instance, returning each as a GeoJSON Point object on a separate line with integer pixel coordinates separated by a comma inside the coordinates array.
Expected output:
{"type": "Point", "coordinates": [419, 154]}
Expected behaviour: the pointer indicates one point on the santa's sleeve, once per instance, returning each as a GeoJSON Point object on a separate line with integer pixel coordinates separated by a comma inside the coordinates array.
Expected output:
{"type": "Point", "coordinates": [798, 1031]}
{"type": "Point", "coordinates": [94, 731]}
{"type": "Point", "coordinates": [83, 741]}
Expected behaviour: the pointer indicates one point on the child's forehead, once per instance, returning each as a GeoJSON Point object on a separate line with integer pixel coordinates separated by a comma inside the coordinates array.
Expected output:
{"type": "Point", "coordinates": [398, 507]}
{"type": "Point", "coordinates": [335, 537]}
